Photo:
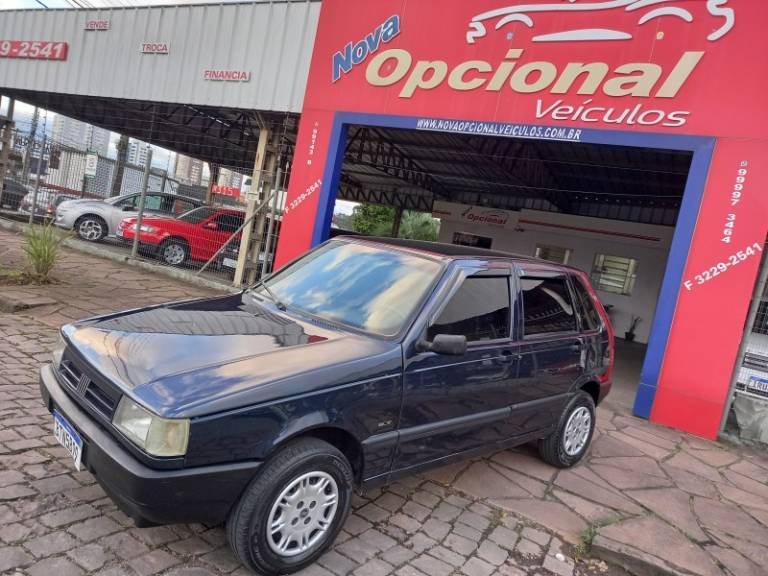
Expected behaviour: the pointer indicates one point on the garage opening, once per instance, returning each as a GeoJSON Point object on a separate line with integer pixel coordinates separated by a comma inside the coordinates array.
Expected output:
{"type": "Point", "coordinates": [610, 210]}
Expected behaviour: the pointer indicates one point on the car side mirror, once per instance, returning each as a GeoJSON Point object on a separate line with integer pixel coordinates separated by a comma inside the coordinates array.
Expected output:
{"type": "Point", "coordinates": [450, 344]}
{"type": "Point", "coordinates": [212, 226]}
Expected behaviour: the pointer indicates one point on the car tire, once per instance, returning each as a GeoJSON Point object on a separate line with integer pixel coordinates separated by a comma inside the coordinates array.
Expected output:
{"type": "Point", "coordinates": [570, 440]}
{"type": "Point", "coordinates": [288, 490]}
{"type": "Point", "coordinates": [91, 228]}
{"type": "Point", "coordinates": [174, 252]}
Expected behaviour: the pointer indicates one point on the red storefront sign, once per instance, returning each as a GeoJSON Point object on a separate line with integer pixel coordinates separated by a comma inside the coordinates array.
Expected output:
{"type": "Point", "coordinates": [33, 49]}
{"type": "Point", "coordinates": [226, 191]}
{"type": "Point", "coordinates": [550, 69]}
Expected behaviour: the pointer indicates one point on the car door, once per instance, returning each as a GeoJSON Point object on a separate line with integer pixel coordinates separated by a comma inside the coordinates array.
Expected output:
{"type": "Point", "coordinates": [216, 231]}
{"type": "Point", "coordinates": [124, 208]}
{"type": "Point", "coordinates": [453, 404]}
{"type": "Point", "coordinates": [551, 351]}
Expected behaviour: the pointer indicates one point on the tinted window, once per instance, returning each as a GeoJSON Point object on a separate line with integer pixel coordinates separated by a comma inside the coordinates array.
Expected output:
{"type": "Point", "coordinates": [152, 202]}
{"type": "Point", "coordinates": [367, 287]}
{"type": "Point", "coordinates": [229, 222]}
{"type": "Point", "coordinates": [547, 306]}
{"type": "Point", "coordinates": [479, 310]}
{"type": "Point", "coordinates": [198, 215]}
{"type": "Point", "coordinates": [180, 206]}
{"type": "Point", "coordinates": [129, 201]}
{"type": "Point", "coordinates": [590, 316]}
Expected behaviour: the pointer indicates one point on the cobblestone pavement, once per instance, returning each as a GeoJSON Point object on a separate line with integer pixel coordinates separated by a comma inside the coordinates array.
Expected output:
{"type": "Point", "coordinates": [646, 496]}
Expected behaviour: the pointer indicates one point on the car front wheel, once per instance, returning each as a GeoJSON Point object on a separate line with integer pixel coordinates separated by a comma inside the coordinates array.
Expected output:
{"type": "Point", "coordinates": [570, 441]}
{"type": "Point", "coordinates": [174, 252]}
{"type": "Point", "coordinates": [293, 510]}
{"type": "Point", "coordinates": [91, 228]}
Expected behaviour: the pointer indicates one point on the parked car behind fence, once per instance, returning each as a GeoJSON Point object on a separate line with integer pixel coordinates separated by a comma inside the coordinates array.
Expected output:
{"type": "Point", "coordinates": [93, 220]}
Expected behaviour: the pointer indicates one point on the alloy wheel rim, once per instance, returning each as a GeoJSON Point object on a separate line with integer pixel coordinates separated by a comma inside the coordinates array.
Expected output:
{"type": "Point", "coordinates": [174, 254]}
{"type": "Point", "coordinates": [577, 431]}
{"type": "Point", "coordinates": [302, 514]}
{"type": "Point", "coordinates": [90, 229]}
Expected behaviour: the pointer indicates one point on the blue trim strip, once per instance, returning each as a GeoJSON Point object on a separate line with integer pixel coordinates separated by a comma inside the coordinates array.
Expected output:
{"type": "Point", "coordinates": [702, 148]}
{"type": "Point", "coordinates": [331, 176]}
{"type": "Point", "coordinates": [673, 277]}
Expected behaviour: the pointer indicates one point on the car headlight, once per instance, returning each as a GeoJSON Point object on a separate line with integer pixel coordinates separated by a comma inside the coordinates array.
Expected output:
{"type": "Point", "coordinates": [58, 352]}
{"type": "Point", "coordinates": [155, 435]}
{"type": "Point", "coordinates": [145, 228]}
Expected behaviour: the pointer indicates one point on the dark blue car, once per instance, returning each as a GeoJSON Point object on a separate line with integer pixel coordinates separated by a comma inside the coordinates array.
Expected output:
{"type": "Point", "coordinates": [362, 361]}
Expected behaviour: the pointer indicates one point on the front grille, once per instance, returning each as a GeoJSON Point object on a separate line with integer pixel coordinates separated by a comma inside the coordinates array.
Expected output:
{"type": "Point", "coordinates": [85, 389]}
{"type": "Point", "coordinates": [757, 361]}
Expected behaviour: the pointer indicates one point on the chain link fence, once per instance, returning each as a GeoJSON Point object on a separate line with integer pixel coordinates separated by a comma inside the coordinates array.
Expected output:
{"type": "Point", "coordinates": [140, 210]}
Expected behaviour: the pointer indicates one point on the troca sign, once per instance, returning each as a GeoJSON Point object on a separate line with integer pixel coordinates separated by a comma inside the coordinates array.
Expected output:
{"type": "Point", "coordinates": [675, 74]}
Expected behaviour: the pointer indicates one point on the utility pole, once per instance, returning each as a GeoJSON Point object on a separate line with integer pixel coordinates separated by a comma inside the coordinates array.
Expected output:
{"type": "Point", "coordinates": [142, 200]}
{"type": "Point", "coordinates": [122, 155]}
{"type": "Point", "coordinates": [30, 144]}
{"type": "Point", "coordinates": [37, 181]}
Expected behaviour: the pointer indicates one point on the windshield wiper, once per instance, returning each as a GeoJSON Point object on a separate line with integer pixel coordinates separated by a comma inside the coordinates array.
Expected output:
{"type": "Point", "coordinates": [272, 296]}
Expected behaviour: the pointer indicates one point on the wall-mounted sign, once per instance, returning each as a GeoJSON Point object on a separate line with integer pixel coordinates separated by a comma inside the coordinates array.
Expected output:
{"type": "Point", "coordinates": [91, 163]}
{"type": "Point", "coordinates": [33, 49]}
{"type": "Point", "coordinates": [155, 48]}
{"type": "Point", "coordinates": [479, 215]}
{"type": "Point", "coordinates": [227, 75]}
{"type": "Point", "coordinates": [97, 25]}
{"type": "Point", "coordinates": [226, 191]}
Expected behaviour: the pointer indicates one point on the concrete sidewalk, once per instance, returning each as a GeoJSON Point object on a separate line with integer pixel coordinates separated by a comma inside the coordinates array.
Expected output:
{"type": "Point", "coordinates": [647, 498]}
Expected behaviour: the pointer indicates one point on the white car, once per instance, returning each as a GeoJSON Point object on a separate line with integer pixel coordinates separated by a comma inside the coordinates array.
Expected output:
{"type": "Point", "coordinates": [93, 220]}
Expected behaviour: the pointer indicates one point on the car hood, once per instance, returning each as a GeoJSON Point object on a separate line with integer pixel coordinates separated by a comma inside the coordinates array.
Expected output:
{"type": "Point", "coordinates": [204, 356]}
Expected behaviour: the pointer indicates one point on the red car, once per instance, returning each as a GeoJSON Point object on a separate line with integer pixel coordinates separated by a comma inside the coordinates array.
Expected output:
{"type": "Point", "coordinates": [195, 235]}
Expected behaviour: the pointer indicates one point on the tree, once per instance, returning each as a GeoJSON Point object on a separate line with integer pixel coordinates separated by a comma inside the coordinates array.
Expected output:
{"type": "Point", "coordinates": [373, 220]}
{"type": "Point", "coordinates": [419, 226]}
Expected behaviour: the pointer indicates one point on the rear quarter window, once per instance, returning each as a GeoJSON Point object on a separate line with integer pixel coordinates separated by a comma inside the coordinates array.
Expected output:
{"type": "Point", "coordinates": [547, 306]}
{"type": "Point", "coordinates": [590, 317]}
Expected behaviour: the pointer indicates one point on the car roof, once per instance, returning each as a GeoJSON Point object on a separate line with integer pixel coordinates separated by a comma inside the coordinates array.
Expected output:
{"type": "Point", "coordinates": [445, 251]}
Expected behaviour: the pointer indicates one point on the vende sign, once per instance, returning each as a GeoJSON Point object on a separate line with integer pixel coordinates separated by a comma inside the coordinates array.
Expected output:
{"type": "Point", "coordinates": [155, 48]}
{"type": "Point", "coordinates": [661, 65]}
{"type": "Point", "coordinates": [96, 25]}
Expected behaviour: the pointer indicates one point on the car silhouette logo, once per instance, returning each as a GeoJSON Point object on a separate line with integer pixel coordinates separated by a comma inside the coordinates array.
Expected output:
{"type": "Point", "coordinates": [659, 8]}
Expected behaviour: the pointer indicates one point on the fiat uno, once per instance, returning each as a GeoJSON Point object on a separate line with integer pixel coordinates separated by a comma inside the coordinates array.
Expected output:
{"type": "Point", "coordinates": [360, 362]}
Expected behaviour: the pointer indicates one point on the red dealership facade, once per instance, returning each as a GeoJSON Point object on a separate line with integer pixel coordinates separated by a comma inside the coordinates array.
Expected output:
{"type": "Point", "coordinates": [644, 73]}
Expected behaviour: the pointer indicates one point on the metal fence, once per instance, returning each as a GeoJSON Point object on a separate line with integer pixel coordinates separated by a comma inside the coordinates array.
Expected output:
{"type": "Point", "coordinates": [140, 210]}
{"type": "Point", "coordinates": [748, 413]}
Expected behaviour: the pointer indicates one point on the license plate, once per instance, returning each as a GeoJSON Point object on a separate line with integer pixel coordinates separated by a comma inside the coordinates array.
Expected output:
{"type": "Point", "coordinates": [67, 437]}
{"type": "Point", "coordinates": [229, 263]}
{"type": "Point", "coordinates": [757, 384]}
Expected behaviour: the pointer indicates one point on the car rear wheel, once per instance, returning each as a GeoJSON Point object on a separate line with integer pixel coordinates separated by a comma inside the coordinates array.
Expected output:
{"type": "Point", "coordinates": [174, 252]}
{"type": "Point", "coordinates": [570, 441]}
{"type": "Point", "coordinates": [91, 228]}
{"type": "Point", "coordinates": [293, 510]}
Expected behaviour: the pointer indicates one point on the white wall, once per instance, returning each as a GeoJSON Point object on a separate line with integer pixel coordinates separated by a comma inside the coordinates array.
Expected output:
{"type": "Point", "coordinates": [648, 244]}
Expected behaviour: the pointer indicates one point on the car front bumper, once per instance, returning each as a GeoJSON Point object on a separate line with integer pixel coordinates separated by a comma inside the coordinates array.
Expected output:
{"type": "Point", "coordinates": [149, 496]}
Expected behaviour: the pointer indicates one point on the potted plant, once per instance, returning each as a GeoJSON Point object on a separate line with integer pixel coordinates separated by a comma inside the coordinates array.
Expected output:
{"type": "Point", "coordinates": [629, 335]}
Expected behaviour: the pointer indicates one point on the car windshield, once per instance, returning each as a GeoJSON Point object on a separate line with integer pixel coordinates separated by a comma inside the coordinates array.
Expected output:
{"type": "Point", "coordinates": [197, 215]}
{"type": "Point", "coordinates": [366, 287]}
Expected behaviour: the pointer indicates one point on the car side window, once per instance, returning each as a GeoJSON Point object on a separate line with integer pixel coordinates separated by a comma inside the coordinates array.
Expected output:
{"type": "Point", "coordinates": [547, 306]}
{"type": "Point", "coordinates": [229, 222]}
{"type": "Point", "coordinates": [153, 202]}
{"type": "Point", "coordinates": [180, 206]}
{"type": "Point", "coordinates": [128, 202]}
{"type": "Point", "coordinates": [479, 310]}
{"type": "Point", "coordinates": [590, 316]}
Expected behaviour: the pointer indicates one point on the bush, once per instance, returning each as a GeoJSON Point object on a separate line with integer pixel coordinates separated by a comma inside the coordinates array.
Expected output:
{"type": "Point", "coordinates": [42, 246]}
